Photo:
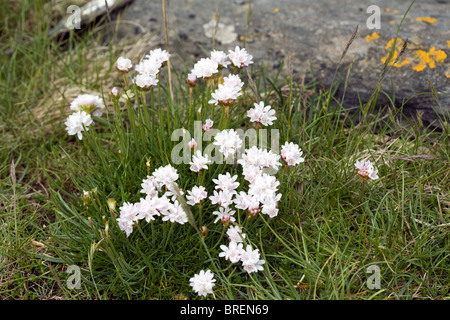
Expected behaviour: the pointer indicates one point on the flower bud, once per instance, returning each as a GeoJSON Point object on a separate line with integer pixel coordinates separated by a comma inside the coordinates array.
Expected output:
{"type": "Point", "coordinates": [191, 80]}
{"type": "Point", "coordinates": [192, 144]}
{"type": "Point", "coordinates": [226, 220]}
{"type": "Point", "coordinates": [112, 205]}
{"type": "Point", "coordinates": [204, 231]}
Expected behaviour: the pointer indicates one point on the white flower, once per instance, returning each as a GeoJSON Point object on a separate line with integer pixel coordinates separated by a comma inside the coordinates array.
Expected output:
{"type": "Point", "coordinates": [245, 201]}
{"type": "Point", "coordinates": [145, 81]}
{"type": "Point", "coordinates": [224, 95]}
{"type": "Point", "coordinates": [255, 159]}
{"type": "Point", "coordinates": [203, 282]}
{"type": "Point", "coordinates": [205, 68]}
{"type": "Point", "coordinates": [366, 170]}
{"type": "Point", "coordinates": [199, 162]}
{"type": "Point", "coordinates": [232, 252]}
{"type": "Point", "coordinates": [220, 57]}
{"type": "Point", "coordinates": [226, 182]}
{"type": "Point", "coordinates": [223, 198]}
{"type": "Point", "coordinates": [123, 64]}
{"type": "Point", "coordinates": [88, 103]}
{"type": "Point", "coordinates": [166, 175]}
{"type": "Point", "coordinates": [128, 215]}
{"type": "Point", "coordinates": [175, 213]}
{"type": "Point", "coordinates": [291, 154]}
{"type": "Point", "coordinates": [262, 114]}
{"type": "Point", "coordinates": [228, 142]}
{"type": "Point", "coordinates": [147, 208]}
{"type": "Point", "coordinates": [76, 121]}
{"type": "Point", "coordinates": [263, 186]}
{"type": "Point", "coordinates": [158, 56]}
{"type": "Point", "coordinates": [224, 211]}
{"type": "Point", "coordinates": [235, 234]}
{"type": "Point", "coordinates": [250, 260]}
{"type": "Point", "coordinates": [150, 185]}
{"type": "Point", "coordinates": [208, 125]}
{"type": "Point", "coordinates": [149, 67]}
{"type": "Point", "coordinates": [239, 57]}
{"type": "Point", "coordinates": [233, 81]}
{"type": "Point", "coordinates": [196, 195]}
{"type": "Point", "coordinates": [270, 205]}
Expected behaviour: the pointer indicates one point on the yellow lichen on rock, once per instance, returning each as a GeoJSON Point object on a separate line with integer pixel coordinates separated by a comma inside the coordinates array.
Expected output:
{"type": "Point", "coordinates": [427, 19]}
{"type": "Point", "coordinates": [373, 36]}
{"type": "Point", "coordinates": [429, 58]}
{"type": "Point", "coordinates": [398, 48]}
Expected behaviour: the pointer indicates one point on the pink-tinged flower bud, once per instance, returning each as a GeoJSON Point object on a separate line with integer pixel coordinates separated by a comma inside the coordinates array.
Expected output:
{"type": "Point", "coordinates": [191, 80]}
{"type": "Point", "coordinates": [226, 220]}
{"type": "Point", "coordinates": [115, 92]}
{"type": "Point", "coordinates": [253, 211]}
{"type": "Point", "coordinates": [208, 125]}
{"type": "Point", "coordinates": [192, 144]}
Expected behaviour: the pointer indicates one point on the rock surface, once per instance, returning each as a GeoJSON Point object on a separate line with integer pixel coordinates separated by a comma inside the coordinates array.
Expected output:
{"type": "Point", "coordinates": [302, 31]}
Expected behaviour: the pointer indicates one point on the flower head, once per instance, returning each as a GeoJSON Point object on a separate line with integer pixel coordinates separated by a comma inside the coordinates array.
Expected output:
{"type": "Point", "coordinates": [226, 182]}
{"type": "Point", "coordinates": [145, 81]}
{"type": "Point", "coordinates": [251, 260]}
{"type": "Point", "coordinates": [196, 195]}
{"type": "Point", "coordinates": [235, 234]}
{"type": "Point", "coordinates": [158, 56]}
{"type": "Point", "coordinates": [291, 154]}
{"type": "Point", "coordinates": [199, 162]}
{"type": "Point", "coordinates": [166, 175]}
{"type": "Point", "coordinates": [203, 282]}
{"type": "Point", "coordinates": [224, 211]}
{"type": "Point", "coordinates": [220, 57]}
{"type": "Point", "coordinates": [232, 252]}
{"type": "Point", "coordinates": [262, 114]}
{"type": "Point", "coordinates": [366, 170]}
{"type": "Point", "coordinates": [78, 122]}
{"type": "Point", "coordinates": [239, 57]}
{"type": "Point", "coordinates": [205, 68]}
{"type": "Point", "coordinates": [88, 103]}
{"type": "Point", "coordinates": [123, 65]}
{"type": "Point", "coordinates": [208, 125]}
{"type": "Point", "coordinates": [224, 95]}
{"type": "Point", "coordinates": [228, 142]}
{"type": "Point", "coordinates": [149, 67]}
{"type": "Point", "coordinates": [128, 215]}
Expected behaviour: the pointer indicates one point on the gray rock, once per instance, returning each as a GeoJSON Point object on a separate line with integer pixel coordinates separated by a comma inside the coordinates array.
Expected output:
{"type": "Point", "coordinates": [301, 31]}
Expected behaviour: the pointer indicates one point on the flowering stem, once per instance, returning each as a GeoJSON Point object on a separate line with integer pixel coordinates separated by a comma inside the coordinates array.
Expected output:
{"type": "Point", "coordinates": [362, 190]}
{"type": "Point", "coordinates": [125, 80]}
{"type": "Point", "coordinates": [220, 239]}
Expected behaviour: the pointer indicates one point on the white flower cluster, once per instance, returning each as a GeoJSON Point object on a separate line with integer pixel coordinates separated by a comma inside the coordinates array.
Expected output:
{"type": "Point", "coordinates": [83, 106]}
{"type": "Point", "coordinates": [250, 258]}
{"type": "Point", "coordinates": [206, 68]}
{"type": "Point", "coordinates": [149, 67]}
{"type": "Point", "coordinates": [160, 200]}
{"type": "Point", "coordinates": [258, 194]}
